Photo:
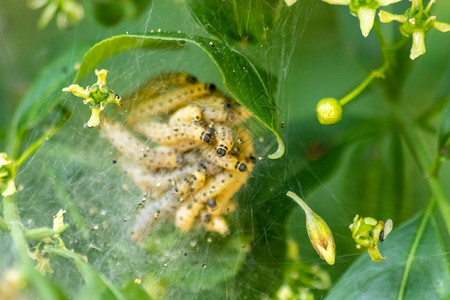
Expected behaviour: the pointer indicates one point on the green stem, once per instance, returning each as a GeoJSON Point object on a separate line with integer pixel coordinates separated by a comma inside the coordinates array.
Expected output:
{"type": "Point", "coordinates": [43, 288]}
{"type": "Point", "coordinates": [39, 234]}
{"type": "Point", "coordinates": [86, 271]}
{"type": "Point", "coordinates": [429, 167]}
{"type": "Point", "coordinates": [13, 142]}
{"type": "Point", "coordinates": [36, 145]}
{"type": "Point", "coordinates": [435, 167]}
{"type": "Point", "coordinates": [383, 44]}
{"type": "Point", "coordinates": [379, 73]}
{"type": "Point", "coordinates": [419, 233]}
{"type": "Point", "coordinates": [400, 43]}
{"type": "Point", "coordinates": [11, 215]}
{"type": "Point", "coordinates": [442, 201]}
{"type": "Point", "coordinates": [65, 115]}
{"type": "Point", "coordinates": [299, 201]}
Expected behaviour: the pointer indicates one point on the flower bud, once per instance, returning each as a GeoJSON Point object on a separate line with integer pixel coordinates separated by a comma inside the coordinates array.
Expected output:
{"type": "Point", "coordinates": [318, 231]}
{"type": "Point", "coordinates": [329, 111]}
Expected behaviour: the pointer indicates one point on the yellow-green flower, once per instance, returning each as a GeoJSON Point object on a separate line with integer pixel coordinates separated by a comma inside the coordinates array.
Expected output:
{"type": "Point", "coordinates": [415, 23]}
{"type": "Point", "coordinates": [318, 231]}
{"type": "Point", "coordinates": [364, 10]}
{"type": "Point", "coordinates": [98, 96]}
{"type": "Point", "coordinates": [367, 232]}
{"type": "Point", "coordinates": [67, 12]}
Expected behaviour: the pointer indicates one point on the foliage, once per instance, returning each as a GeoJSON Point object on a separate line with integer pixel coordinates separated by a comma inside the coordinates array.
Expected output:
{"type": "Point", "coordinates": [386, 157]}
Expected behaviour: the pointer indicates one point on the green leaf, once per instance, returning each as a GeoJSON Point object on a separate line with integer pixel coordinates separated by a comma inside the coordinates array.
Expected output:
{"type": "Point", "coordinates": [240, 76]}
{"type": "Point", "coordinates": [236, 21]}
{"type": "Point", "coordinates": [444, 134]}
{"type": "Point", "coordinates": [429, 277]}
{"type": "Point", "coordinates": [43, 95]}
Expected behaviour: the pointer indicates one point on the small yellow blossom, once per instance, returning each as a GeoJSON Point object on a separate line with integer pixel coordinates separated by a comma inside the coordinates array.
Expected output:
{"type": "Point", "coordinates": [98, 96]}
{"type": "Point", "coordinates": [415, 23]}
{"type": "Point", "coordinates": [364, 10]}
{"type": "Point", "coordinates": [367, 232]}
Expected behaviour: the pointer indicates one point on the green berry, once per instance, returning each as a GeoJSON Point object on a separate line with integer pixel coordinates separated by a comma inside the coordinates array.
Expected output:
{"type": "Point", "coordinates": [329, 111]}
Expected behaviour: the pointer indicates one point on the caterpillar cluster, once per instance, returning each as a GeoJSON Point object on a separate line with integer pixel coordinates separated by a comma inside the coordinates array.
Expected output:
{"type": "Point", "coordinates": [183, 145]}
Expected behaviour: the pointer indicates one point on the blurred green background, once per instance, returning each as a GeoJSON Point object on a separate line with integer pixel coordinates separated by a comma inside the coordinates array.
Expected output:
{"type": "Point", "coordinates": [360, 166]}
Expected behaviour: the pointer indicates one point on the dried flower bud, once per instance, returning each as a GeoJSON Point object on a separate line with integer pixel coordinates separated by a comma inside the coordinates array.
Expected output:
{"type": "Point", "coordinates": [318, 231]}
{"type": "Point", "coordinates": [58, 221]}
{"type": "Point", "coordinates": [329, 111]}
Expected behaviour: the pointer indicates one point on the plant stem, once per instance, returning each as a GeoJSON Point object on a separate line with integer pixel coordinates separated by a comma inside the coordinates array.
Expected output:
{"type": "Point", "coordinates": [419, 233]}
{"type": "Point", "coordinates": [383, 44]}
{"type": "Point", "coordinates": [442, 201]}
{"type": "Point", "coordinates": [428, 166]}
{"type": "Point", "coordinates": [39, 233]}
{"type": "Point", "coordinates": [86, 271]}
{"type": "Point", "coordinates": [299, 201]}
{"type": "Point", "coordinates": [379, 73]}
{"type": "Point", "coordinates": [11, 215]}
{"type": "Point", "coordinates": [43, 288]}
{"type": "Point", "coordinates": [36, 145]}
